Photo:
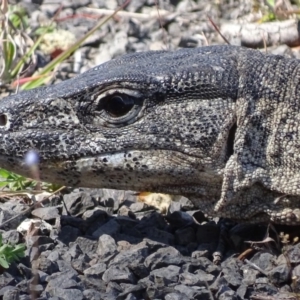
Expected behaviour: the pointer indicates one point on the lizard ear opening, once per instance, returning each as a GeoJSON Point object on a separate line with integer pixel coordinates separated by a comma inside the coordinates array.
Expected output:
{"type": "Point", "coordinates": [230, 141]}
{"type": "Point", "coordinates": [3, 120]}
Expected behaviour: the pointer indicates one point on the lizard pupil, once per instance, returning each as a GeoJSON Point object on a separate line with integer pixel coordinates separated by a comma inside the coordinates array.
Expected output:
{"type": "Point", "coordinates": [118, 106]}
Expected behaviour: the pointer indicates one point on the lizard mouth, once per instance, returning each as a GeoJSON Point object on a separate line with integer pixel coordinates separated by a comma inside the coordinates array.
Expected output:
{"type": "Point", "coordinates": [134, 170]}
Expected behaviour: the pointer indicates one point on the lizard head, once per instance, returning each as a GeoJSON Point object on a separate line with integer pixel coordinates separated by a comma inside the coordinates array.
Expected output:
{"type": "Point", "coordinates": [144, 121]}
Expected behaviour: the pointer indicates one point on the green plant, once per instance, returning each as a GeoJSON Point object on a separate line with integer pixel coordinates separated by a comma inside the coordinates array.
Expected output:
{"type": "Point", "coordinates": [9, 253]}
{"type": "Point", "coordinates": [14, 181]}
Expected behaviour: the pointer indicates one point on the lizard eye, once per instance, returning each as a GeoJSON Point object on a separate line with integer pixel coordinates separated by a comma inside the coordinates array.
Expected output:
{"type": "Point", "coordinates": [118, 105]}
{"type": "Point", "coordinates": [118, 109]}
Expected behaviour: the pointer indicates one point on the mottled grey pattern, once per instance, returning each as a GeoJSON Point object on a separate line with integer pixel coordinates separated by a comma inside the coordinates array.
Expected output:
{"type": "Point", "coordinates": [217, 124]}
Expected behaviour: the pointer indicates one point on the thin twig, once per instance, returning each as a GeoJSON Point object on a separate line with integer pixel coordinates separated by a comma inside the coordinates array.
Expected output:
{"type": "Point", "coordinates": [217, 29]}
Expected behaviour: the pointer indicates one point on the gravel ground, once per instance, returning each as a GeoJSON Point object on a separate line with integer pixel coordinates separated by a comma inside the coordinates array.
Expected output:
{"type": "Point", "coordinates": [106, 244]}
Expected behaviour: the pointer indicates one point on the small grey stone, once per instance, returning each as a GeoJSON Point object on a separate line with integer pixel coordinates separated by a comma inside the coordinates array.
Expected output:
{"type": "Point", "coordinates": [73, 294]}
{"type": "Point", "coordinates": [12, 237]}
{"type": "Point", "coordinates": [164, 257]}
{"type": "Point", "coordinates": [134, 255]}
{"type": "Point", "coordinates": [165, 276]}
{"type": "Point", "coordinates": [46, 213]}
{"type": "Point", "coordinates": [265, 261]}
{"type": "Point", "coordinates": [118, 274]}
{"type": "Point", "coordinates": [80, 264]}
{"type": "Point", "coordinates": [217, 284]}
{"type": "Point", "coordinates": [86, 245]}
{"type": "Point", "coordinates": [11, 294]}
{"type": "Point", "coordinates": [125, 211]}
{"type": "Point", "coordinates": [74, 251]}
{"type": "Point", "coordinates": [231, 269]}
{"type": "Point", "coordinates": [106, 246]}
{"type": "Point", "coordinates": [204, 277]}
{"type": "Point", "coordinates": [242, 291]}
{"type": "Point", "coordinates": [225, 293]}
{"type": "Point", "coordinates": [279, 274]}
{"type": "Point", "coordinates": [46, 265]}
{"type": "Point", "coordinates": [176, 296]}
{"type": "Point", "coordinates": [250, 275]}
{"type": "Point", "coordinates": [130, 297]}
{"type": "Point", "coordinates": [64, 279]}
{"type": "Point", "coordinates": [92, 294]}
{"type": "Point", "coordinates": [186, 290]}
{"type": "Point", "coordinates": [138, 207]}
{"type": "Point", "coordinates": [293, 253]}
{"type": "Point", "coordinates": [96, 271]}
{"type": "Point", "coordinates": [38, 240]}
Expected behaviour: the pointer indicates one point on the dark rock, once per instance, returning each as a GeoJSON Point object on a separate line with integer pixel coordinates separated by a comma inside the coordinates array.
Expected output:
{"type": "Point", "coordinates": [207, 233]}
{"type": "Point", "coordinates": [78, 203]}
{"type": "Point", "coordinates": [159, 235]}
{"type": "Point", "coordinates": [68, 234]}
{"type": "Point", "coordinates": [154, 220]}
{"type": "Point", "coordinates": [185, 236]}
{"type": "Point", "coordinates": [112, 227]}
{"type": "Point", "coordinates": [179, 219]}
{"type": "Point", "coordinates": [134, 259]}
{"type": "Point", "coordinates": [95, 215]}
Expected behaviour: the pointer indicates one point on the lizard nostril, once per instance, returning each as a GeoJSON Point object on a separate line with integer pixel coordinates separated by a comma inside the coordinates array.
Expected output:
{"type": "Point", "coordinates": [3, 120]}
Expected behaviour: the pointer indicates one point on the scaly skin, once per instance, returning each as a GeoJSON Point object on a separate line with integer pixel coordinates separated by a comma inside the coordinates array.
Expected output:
{"type": "Point", "coordinates": [217, 124]}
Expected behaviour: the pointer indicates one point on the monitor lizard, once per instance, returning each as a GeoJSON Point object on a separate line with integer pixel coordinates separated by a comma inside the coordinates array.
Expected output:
{"type": "Point", "coordinates": [218, 124]}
